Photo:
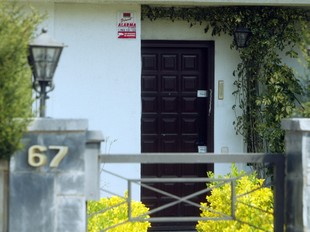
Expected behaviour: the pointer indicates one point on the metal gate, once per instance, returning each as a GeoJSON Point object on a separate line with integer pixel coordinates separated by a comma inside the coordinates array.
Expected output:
{"type": "Point", "coordinates": [274, 162]}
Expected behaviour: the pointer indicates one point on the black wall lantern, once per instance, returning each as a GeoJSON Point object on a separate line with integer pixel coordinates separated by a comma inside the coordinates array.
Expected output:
{"type": "Point", "coordinates": [44, 54]}
{"type": "Point", "coordinates": [242, 36]}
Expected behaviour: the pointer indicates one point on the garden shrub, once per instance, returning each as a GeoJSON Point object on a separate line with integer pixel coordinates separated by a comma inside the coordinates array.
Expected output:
{"type": "Point", "coordinates": [249, 192]}
{"type": "Point", "coordinates": [112, 211]}
{"type": "Point", "coordinates": [16, 30]}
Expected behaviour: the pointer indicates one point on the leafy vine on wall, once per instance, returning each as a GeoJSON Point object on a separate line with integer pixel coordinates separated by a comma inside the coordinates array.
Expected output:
{"type": "Point", "coordinates": [267, 89]}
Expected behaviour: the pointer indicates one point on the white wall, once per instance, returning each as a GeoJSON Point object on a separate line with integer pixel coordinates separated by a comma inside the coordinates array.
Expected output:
{"type": "Point", "coordinates": [98, 77]}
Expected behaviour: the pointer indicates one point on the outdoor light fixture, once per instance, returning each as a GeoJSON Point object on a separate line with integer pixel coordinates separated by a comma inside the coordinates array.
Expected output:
{"type": "Point", "coordinates": [44, 54]}
{"type": "Point", "coordinates": [308, 50]}
{"type": "Point", "coordinates": [242, 36]}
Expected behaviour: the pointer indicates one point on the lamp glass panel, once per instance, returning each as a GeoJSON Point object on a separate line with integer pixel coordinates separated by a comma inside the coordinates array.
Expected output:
{"type": "Point", "coordinates": [45, 60]}
{"type": "Point", "coordinates": [241, 38]}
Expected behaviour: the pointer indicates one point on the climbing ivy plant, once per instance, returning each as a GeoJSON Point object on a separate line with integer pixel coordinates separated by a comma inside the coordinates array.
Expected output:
{"type": "Point", "coordinates": [266, 89]}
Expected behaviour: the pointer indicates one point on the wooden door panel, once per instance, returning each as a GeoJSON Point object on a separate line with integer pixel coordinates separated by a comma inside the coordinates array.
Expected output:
{"type": "Point", "coordinates": [172, 122]}
{"type": "Point", "coordinates": [150, 104]}
{"type": "Point", "coordinates": [189, 124]}
{"type": "Point", "coordinates": [169, 62]}
{"type": "Point", "coordinates": [190, 62]}
{"type": "Point", "coordinates": [169, 84]}
{"type": "Point", "coordinates": [170, 125]}
{"type": "Point", "coordinates": [188, 143]}
{"type": "Point", "coordinates": [169, 104]}
{"type": "Point", "coordinates": [149, 83]}
{"type": "Point", "coordinates": [149, 143]}
{"type": "Point", "coordinates": [189, 83]}
{"type": "Point", "coordinates": [189, 104]}
{"type": "Point", "coordinates": [150, 124]}
{"type": "Point", "coordinates": [149, 62]}
{"type": "Point", "coordinates": [169, 142]}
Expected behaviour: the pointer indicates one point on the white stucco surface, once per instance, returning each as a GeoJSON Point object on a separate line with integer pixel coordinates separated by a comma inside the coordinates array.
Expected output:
{"type": "Point", "coordinates": [189, 2]}
{"type": "Point", "coordinates": [98, 77]}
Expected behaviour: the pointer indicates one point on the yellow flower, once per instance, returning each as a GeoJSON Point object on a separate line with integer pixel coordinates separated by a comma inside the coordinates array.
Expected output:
{"type": "Point", "coordinates": [253, 207]}
{"type": "Point", "coordinates": [109, 212]}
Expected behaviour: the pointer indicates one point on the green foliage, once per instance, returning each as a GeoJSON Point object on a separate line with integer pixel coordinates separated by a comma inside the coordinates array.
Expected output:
{"type": "Point", "coordinates": [304, 109]}
{"type": "Point", "coordinates": [110, 212]}
{"type": "Point", "coordinates": [253, 207]}
{"type": "Point", "coordinates": [266, 88]}
{"type": "Point", "coordinates": [16, 30]}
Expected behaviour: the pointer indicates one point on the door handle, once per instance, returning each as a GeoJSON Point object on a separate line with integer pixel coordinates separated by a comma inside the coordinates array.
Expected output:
{"type": "Point", "coordinates": [210, 102]}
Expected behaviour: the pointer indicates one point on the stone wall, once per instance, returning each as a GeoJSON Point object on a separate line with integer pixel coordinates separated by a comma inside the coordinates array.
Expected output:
{"type": "Point", "coordinates": [48, 189]}
{"type": "Point", "coordinates": [297, 176]}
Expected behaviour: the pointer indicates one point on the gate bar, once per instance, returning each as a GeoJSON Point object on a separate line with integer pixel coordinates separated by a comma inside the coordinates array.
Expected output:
{"type": "Point", "coordinates": [188, 158]}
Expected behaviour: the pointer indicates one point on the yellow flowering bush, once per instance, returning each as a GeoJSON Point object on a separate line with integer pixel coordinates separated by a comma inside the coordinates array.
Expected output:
{"type": "Point", "coordinates": [253, 207]}
{"type": "Point", "coordinates": [113, 211]}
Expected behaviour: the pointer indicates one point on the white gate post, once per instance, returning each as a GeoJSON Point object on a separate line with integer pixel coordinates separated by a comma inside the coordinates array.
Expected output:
{"type": "Point", "coordinates": [297, 180]}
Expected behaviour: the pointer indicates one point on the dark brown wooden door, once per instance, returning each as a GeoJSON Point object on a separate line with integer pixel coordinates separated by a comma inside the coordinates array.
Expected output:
{"type": "Point", "coordinates": [177, 116]}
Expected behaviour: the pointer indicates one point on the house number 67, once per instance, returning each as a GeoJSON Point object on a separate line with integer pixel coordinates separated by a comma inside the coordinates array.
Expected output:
{"type": "Point", "coordinates": [37, 158]}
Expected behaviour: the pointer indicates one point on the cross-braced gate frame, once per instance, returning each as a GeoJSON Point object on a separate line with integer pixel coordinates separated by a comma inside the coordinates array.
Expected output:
{"type": "Point", "coordinates": [274, 160]}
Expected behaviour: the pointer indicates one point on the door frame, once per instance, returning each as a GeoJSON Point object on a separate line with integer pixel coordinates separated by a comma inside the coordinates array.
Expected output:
{"type": "Point", "coordinates": [209, 49]}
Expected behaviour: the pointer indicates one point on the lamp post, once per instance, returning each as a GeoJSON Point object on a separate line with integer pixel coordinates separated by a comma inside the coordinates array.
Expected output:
{"type": "Point", "coordinates": [44, 54]}
{"type": "Point", "coordinates": [242, 36]}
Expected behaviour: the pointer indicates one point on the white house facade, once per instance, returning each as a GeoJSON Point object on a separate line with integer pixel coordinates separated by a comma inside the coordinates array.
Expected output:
{"type": "Point", "coordinates": [99, 76]}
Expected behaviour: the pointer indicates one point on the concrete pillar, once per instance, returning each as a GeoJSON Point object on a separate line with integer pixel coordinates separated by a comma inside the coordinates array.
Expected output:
{"type": "Point", "coordinates": [48, 189]}
{"type": "Point", "coordinates": [4, 190]}
{"type": "Point", "coordinates": [297, 140]}
{"type": "Point", "coordinates": [92, 165]}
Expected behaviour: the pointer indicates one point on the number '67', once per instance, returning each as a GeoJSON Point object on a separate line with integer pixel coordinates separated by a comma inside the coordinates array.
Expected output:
{"type": "Point", "coordinates": [37, 158]}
